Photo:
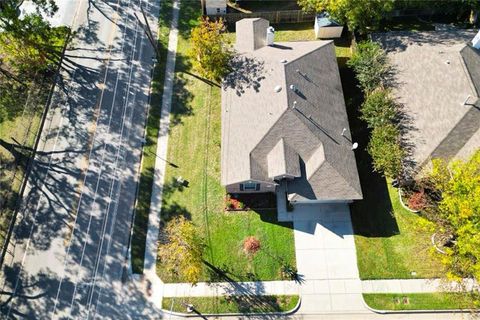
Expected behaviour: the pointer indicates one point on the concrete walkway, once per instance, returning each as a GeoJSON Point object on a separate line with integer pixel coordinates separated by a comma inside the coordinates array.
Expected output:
{"type": "Point", "coordinates": [153, 282]}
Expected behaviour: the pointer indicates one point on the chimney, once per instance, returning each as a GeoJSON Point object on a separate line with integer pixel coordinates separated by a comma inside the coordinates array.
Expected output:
{"type": "Point", "coordinates": [251, 34]}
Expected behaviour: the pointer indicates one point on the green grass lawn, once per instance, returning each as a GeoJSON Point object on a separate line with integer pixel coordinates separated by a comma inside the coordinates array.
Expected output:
{"type": "Point", "coordinates": [391, 241]}
{"type": "Point", "coordinates": [142, 208]}
{"type": "Point", "coordinates": [232, 304]}
{"type": "Point", "coordinates": [419, 301]}
{"type": "Point", "coordinates": [194, 152]}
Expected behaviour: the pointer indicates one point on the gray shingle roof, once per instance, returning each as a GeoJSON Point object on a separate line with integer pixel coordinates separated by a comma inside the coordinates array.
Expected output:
{"type": "Point", "coordinates": [258, 123]}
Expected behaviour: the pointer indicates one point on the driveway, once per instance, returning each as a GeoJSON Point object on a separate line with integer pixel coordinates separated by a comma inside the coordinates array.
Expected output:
{"type": "Point", "coordinates": [326, 259]}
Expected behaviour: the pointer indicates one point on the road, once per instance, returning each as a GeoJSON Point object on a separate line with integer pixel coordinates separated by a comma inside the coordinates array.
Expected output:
{"type": "Point", "coordinates": [69, 247]}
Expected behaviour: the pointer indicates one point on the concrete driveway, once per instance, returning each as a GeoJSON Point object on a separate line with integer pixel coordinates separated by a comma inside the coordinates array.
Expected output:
{"type": "Point", "coordinates": [326, 259]}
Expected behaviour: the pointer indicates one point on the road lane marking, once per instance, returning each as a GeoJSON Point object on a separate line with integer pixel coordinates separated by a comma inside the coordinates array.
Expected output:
{"type": "Point", "coordinates": [86, 173]}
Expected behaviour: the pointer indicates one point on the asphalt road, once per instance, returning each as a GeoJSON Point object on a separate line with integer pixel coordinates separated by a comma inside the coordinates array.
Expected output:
{"type": "Point", "coordinates": [69, 247]}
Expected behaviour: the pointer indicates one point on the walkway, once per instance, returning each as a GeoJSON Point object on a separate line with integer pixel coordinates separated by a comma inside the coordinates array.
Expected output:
{"type": "Point", "coordinates": [150, 274]}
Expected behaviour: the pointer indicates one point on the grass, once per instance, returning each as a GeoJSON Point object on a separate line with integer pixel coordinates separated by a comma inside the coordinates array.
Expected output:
{"type": "Point", "coordinates": [391, 242]}
{"type": "Point", "coordinates": [232, 304]}
{"type": "Point", "coordinates": [194, 151]}
{"type": "Point", "coordinates": [142, 208]}
{"type": "Point", "coordinates": [419, 301]}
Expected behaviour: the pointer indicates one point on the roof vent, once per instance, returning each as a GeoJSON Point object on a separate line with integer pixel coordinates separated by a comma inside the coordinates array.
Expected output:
{"type": "Point", "coordinates": [277, 89]}
{"type": "Point", "coordinates": [293, 88]}
{"type": "Point", "coordinates": [283, 61]}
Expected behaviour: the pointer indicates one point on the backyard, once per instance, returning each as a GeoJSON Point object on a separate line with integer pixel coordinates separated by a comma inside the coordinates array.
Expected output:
{"type": "Point", "coordinates": [194, 155]}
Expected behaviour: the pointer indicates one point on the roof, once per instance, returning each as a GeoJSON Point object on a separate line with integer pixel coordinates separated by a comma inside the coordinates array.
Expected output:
{"type": "Point", "coordinates": [435, 74]}
{"type": "Point", "coordinates": [324, 20]}
{"type": "Point", "coordinates": [263, 135]}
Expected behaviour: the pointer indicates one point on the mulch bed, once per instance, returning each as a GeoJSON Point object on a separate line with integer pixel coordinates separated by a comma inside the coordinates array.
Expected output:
{"type": "Point", "coordinates": [250, 201]}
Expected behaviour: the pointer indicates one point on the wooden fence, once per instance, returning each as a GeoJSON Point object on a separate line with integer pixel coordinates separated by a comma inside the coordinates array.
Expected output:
{"type": "Point", "coordinates": [288, 16]}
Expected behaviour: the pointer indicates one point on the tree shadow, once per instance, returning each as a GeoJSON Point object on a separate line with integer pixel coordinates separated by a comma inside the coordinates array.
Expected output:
{"type": "Point", "coordinates": [246, 73]}
{"type": "Point", "coordinates": [249, 297]}
{"type": "Point", "coordinates": [372, 216]}
{"type": "Point", "coordinates": [181, 100]}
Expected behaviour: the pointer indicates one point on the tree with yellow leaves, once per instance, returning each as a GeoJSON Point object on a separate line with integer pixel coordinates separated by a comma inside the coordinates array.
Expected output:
{"type": "Point", "coordinates": [182, 252]}
{"type": "Point", "coordinates": [211, 50]}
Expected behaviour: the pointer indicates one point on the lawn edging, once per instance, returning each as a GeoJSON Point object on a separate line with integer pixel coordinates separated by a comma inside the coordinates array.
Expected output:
{"type": "Point", "coordinates": [280, 313]}
{"type": "Point", "coordinates": [419, 311]}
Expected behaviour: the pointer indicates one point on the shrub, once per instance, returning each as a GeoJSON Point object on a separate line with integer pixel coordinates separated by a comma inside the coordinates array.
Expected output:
{"type": "Point", "coordinates": [417, 200]}
{"type": "Point", "coordinates": [379, 108]}
{"type": "Point", "coordinates": [385, 149]}
{"type": "Point", "coordinates": [251, 245]}
{"type": "Point", "coordinates": [370, 64]}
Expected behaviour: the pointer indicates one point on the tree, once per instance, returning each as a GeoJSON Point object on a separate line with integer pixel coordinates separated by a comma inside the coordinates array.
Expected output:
{"type": "Point", "coordinates": [182, 253]}
{"type": "Point", "coordinates": [371, 66]}
{"type": "Point", "coordinates": [386, 151]}
{"type": "Point", "coordinates": [357, 14]}
{"type": "Point", "coordinates": [210, 51]}
{"type": "Point", "coordinates": [459, 184]}
{"type": "Point", "coordinates": [379, 108]}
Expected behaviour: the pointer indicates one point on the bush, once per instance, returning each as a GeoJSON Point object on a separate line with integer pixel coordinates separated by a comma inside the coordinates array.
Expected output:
{"type": "Point", "coordinates": [385, 149]}
{"type": "Point", "coordinates": [417, 201]}
{"type": "Point", "coordinates": [379, 108]}
{"type": "Point", "coordinates": [251, 245]}
{"type": "Point", "coordinates": [370, 64]}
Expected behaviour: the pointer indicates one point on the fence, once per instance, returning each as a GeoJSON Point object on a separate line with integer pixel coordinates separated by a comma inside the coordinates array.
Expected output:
{"type": "Point", "coordinates": [287, 16]}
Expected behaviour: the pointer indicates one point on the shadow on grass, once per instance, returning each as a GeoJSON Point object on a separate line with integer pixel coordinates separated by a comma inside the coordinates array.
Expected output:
{"type": "Point", "coordinates": [372, 216]}
{"type": "Point", "coordinates": [247, 296]}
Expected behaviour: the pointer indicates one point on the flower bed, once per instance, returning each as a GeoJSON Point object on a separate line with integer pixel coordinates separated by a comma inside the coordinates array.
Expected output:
{"type": "Point", "coordinates": [250, 201]}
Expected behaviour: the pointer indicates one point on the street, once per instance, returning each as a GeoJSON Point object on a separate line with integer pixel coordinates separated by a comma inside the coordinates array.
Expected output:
{"type": "Point", "coordinates": [69, 249]}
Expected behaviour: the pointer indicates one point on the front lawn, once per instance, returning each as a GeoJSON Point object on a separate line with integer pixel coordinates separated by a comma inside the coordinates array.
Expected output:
{"type": "Point", "coordinates": [418, 301]}
{"type": "Point", "coordinates": [194, 155]}
{"type": "Point", "coordinates": [232, 304]}
{"type": "Point", "coordinates": [391, 242]}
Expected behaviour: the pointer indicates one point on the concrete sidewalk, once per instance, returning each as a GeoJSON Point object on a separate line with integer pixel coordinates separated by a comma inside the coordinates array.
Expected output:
{"type": "Point", "coordinates": [153, 282]}
{"type": "Point", "coordinates": [311, 287]}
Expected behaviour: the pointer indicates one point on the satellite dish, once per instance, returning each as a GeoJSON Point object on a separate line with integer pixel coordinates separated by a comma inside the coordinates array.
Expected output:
{"type": "Point", "coordinates": [354, 145]}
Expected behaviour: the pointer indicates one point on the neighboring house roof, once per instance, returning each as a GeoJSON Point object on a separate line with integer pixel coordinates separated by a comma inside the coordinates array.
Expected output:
{"type": "Point", "coordinates": [324, 20]}
{"type": "Point", "coordinates": [263, 136]}
{"type": "Point", "coordinates": [436, 81]}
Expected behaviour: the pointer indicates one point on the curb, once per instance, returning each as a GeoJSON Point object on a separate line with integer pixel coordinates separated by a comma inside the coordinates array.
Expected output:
{"type": "Point", "coordinates": [400, 197]}
{"type": "Point", "coordinates": [284, 313]}
{"type": "Point", "coordinates": [421, 311]}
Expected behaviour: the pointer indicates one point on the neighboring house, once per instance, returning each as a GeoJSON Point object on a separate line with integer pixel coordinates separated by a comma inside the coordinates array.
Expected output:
{"type": "Point", "coordinates": [284, 121]}
{"type": "Point", "coordinates": [437, 82]}
{"type": "Point", "coordinates": [214, 7]}
{"type": "Point", "coordinates": [327, 28]}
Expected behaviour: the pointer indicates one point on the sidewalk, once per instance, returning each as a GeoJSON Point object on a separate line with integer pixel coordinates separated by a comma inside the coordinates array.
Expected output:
{"type": "Point", "coordinates": [311, 287]}
{"type": "Point", "coordinates": [150, 275]}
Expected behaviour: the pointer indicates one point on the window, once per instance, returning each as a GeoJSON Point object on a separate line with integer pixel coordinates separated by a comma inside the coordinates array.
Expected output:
{"type": "Point", "coordinates": [250, 186]}
{"type": "Point", "coordinates": [218, 10]}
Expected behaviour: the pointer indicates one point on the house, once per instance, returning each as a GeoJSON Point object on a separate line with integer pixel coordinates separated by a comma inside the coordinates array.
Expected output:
{"type": "Point", "coordinates": [284, 121]}
{"type": "Point", "coordinates": [214, 7]}
{"type": "Point", "coordinates": [327, 28]}
{"type": "Point", "coordinates": [437, 83]}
